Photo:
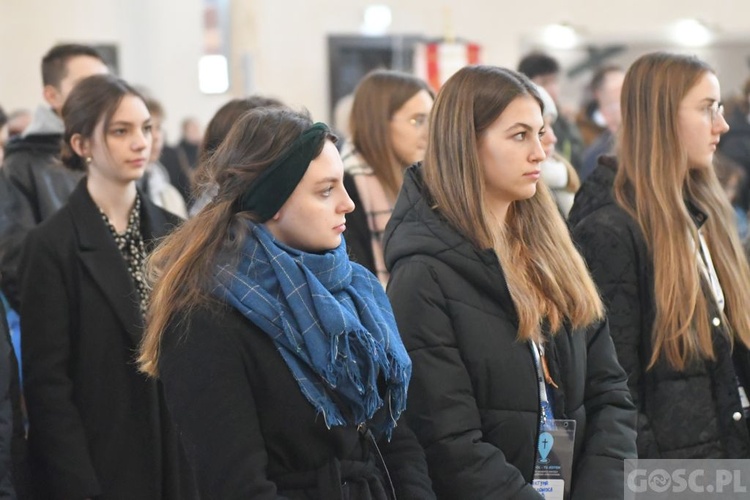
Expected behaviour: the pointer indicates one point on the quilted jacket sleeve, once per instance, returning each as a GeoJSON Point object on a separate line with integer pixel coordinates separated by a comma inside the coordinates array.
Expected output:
{"type": "Point", "coordinates": [611, 254]}
{"type": "Point", "coordinates": [610, 422]}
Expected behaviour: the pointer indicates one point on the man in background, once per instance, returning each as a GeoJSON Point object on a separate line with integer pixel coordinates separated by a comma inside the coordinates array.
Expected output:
{"type": "Point", "coordinates": [606, 87]}
{"type": "Point", "coordinates": [33, 182]}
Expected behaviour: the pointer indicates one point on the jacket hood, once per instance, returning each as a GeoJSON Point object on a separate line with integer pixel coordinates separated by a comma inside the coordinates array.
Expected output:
{"type": "Point", "coordinates": [596, 191]}
{"type": "Point", "coordinates": [416, 229]}
{"type": "Point", "coordinates": [45, 122]}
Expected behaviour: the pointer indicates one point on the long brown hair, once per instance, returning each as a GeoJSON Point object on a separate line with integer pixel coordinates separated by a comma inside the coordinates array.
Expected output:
{"type": "Point", "coordinates": [546, 276]}
{"type": "Point", "coordinates": [652, 183]}
{"type": "Point", "coordinates": [377, 98]}
{"type": "Point", "coordinates": [182, 267]}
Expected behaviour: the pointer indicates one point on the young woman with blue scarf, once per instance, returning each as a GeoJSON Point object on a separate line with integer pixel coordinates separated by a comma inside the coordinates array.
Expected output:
{"type": "Point", "coordinates": [282, 365]}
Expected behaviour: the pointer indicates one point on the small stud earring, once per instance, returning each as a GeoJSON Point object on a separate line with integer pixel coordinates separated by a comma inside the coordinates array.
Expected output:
{"type": "Point", "coordinates": [89, 160]}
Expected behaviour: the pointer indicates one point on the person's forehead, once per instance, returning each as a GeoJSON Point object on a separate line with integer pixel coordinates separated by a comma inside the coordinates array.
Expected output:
{"type": "Point", "coordinates": [82, 66]}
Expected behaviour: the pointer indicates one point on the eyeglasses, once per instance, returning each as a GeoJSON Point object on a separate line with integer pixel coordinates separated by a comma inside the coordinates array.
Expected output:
{"type": "Point", "coordinates": [417, 121]}
{"type": "Point", "coordinates": [714, 110]}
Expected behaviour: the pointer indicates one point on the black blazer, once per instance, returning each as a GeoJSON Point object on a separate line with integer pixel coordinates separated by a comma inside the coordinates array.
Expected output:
{"type": "Point", "coordinates": [98, 427]}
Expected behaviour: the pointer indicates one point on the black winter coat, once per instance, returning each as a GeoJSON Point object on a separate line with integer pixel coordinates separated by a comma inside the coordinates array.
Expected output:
{"type": "Point", "coordinates": [12, 440]}
{"type": "Point", "coordinates": [358, 236]}
{"type": "Point", "coordinates": [249, 432]}
{"type": "Point", "coordinates": [474, 397]}
{"type": "Point", "coordinates": [34, 184]}
{"type": "Point", "coordinates": [97, 427]}
{"type": "Point", "coordinates": [689, 414]}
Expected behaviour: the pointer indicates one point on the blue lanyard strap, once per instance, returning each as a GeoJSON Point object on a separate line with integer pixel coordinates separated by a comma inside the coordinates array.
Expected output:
{"type": "Point", "coordinates": [544, 404]}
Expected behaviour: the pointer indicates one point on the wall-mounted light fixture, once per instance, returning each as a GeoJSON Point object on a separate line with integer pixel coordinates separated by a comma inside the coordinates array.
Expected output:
{"type": "Point", "coordinates": [691, 33]}
{"type": "Point", "coordinates": [377, 20]}
{"type": "Point", "coordinates": [213, 66]}
{"type": "Point", "coordinates": [560, 36]}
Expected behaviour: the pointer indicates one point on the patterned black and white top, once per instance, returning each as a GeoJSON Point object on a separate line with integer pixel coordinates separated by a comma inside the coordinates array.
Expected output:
{"type": "Point", "coordinates": [133, 249]}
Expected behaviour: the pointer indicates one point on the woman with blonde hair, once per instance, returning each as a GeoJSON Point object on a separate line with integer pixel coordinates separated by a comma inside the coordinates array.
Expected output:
{"type": "Point", "coordinates": [658, 234]}
{"type": "Point", "coordinates": [281, 362]}
{"type": "Point", "coordinates": [388, 127]}
{"type": "Point", "coordinates": [502, 321]}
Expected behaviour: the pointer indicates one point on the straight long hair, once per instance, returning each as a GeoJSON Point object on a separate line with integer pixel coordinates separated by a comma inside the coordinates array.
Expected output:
{"type": "Point", "coordinates": [547, 277]}
{"type": "Point", "coordinates": [182, 267]}
{"type": "Point", "coordinates": [652, 183]}
{"type": "Point", "coordinates": [377, 98]}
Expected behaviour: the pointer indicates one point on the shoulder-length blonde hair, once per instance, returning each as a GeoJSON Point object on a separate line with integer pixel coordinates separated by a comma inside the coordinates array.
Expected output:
{"type": "Point", "coordinates": [182, 266]}
{"type": "Point", "coordinates": [379, 95]}
{"type": "Point", "coordinates": [547, 278]}
{"type": "Point", "coordinates": [652, 183]}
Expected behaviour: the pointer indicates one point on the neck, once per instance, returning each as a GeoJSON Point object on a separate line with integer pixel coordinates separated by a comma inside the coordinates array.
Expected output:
{"type": "Point", "coordinates": [115, 199]}
{"type": "Point", "coordinates": [499, 211]}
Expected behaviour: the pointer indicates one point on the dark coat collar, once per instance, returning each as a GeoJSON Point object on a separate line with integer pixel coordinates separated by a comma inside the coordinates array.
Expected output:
{"type": "Point", "coordinates": [102, 258]}
{"type": "Point", "coordinates": [698, 216]}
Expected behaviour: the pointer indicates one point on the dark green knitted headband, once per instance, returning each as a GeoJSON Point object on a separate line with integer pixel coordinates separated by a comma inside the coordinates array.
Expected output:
{"type": "Point", "coordinates": [270, 190]}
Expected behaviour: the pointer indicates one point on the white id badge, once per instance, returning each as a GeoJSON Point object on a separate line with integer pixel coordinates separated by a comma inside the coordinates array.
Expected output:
{"type": "Point", "coordinates": [554, 466]}
{"type": "Point", "coordinates": [743, 398]}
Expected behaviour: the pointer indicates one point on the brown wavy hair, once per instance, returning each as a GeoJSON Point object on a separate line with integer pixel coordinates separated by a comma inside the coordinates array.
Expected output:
{"type": "Point", "coordinates": [182, 267]}
{"type": "Point", "coordinates": [547, 277]}
{"type": "Point", "coordinates": [377, 98]}
{"type": "Point", "coordinates": [652, 183]}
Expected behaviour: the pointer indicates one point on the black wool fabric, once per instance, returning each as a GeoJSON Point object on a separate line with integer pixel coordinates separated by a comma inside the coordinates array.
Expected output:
{"type": "Point", "coordinates": [688, 414]}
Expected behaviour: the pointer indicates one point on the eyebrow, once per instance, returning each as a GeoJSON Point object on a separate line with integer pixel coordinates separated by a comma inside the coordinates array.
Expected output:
{"type": "Point", "coordinates": [129, 124]}
{"type": "Point", "coordinates": [328, 179]}
{"type": "Point", "coordinates": [525, 126]}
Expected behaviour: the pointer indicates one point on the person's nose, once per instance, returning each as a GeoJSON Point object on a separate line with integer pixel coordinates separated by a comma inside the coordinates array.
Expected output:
{"type": "Point", "coordinates": [347, 204]}
{"type": "Point", "coordinates": [141, 140]}
{"type": "Point", "coordinates": [537, 154]}
{"type": "Point", "coordinates": [549, 136]}
{"type": "Point", "coordinates": [720, 125]}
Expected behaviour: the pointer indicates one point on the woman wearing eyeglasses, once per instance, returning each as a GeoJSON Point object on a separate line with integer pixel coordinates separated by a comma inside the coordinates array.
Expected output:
{"type": "Point", "coordinates": [389, 133]}
{"type": "Point", "coordinates": [657, 232]}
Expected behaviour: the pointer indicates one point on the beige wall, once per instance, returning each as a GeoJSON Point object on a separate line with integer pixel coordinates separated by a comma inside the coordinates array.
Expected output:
{"type": "Point", "coordinates": [284, 41]}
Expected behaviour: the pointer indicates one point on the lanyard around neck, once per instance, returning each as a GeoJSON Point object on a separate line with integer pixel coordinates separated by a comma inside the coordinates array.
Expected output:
{"type": "Point", "coordinates": [542, 375]}
{"type": "Point", "coordinates": [706, 265]}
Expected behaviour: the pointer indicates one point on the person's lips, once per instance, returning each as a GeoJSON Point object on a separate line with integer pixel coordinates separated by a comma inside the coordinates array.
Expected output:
{"type": "Point", "coordinates": [534, 174]}
{"type": "Point", "coordinates": [137, 162]}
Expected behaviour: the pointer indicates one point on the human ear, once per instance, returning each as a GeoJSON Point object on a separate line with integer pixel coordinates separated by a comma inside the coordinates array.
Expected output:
{"type": "Point", "coordinates": [53, 97]}
{"type": "Point", "coordinates": [80, 145]}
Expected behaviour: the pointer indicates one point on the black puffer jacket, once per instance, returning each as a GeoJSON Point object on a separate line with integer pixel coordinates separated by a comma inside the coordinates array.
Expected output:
{"type": "Point", "coordinates": [33, 185]}
{"type": "Point", "coordinates": [474, 398]}
{"type": "Point", "coordinates": [689, 414]}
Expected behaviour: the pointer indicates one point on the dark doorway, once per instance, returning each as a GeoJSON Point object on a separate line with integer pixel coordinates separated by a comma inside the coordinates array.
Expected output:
{"type": "Point", "coordinates": [350, 57]}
